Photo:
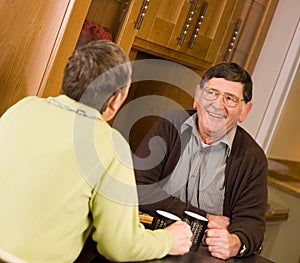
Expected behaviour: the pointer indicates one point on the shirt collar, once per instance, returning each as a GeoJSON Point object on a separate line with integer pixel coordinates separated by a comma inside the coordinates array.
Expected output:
{"type": "Point", "coordinates": [227, 139]}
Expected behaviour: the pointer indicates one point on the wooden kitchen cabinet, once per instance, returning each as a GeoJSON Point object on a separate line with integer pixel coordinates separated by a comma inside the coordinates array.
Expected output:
{"type": "Point", "coordinates": [106, 13]}
{"type": "Point", "coordinates": [184, 31]}
{"type": "Point", "coordinates": [199, 33]}
{"type": "Point", "coordinates": [36, 39]}
{"type": "Point", "coordinates": [40, 38]}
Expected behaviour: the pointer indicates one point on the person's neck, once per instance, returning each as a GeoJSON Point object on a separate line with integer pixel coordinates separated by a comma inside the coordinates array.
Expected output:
{"type": "Point", "coordinates": [209, 138]}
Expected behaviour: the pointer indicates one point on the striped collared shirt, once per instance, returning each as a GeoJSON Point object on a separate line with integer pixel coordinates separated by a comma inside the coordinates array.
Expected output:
{"type": "Point", "coordinates": [198, 177]}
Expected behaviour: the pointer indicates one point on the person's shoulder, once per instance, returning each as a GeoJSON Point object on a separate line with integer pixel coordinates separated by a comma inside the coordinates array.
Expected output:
{"type": "Point", "coordinates": [111, 144]}
{"type": "Point", "coordinates": [242, 134]}
{"type": "Point", "coordinates": [31, 101]}
{"type": "Point", "coordinates": [246, 141]}
{"type": "Point", "coordinates": [110, 136]}
{"type": "Point", "coordinates": [20, 105]}
{"type": "Point", "coordinates": [28, 99]}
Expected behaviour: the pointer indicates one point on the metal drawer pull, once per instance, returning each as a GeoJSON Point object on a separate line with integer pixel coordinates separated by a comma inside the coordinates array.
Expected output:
{"type": "Point", "coordinates": [203, 9]}
{"type": "Point", "coordinates": [142, 15]}
{"type": "Point", "coordinates": [233, 39]}
{"type": "Point", "coordinates": [187, 22]}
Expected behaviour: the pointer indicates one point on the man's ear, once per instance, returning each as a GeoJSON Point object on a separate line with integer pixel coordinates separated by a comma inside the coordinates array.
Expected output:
{"type": "Point", "coordinates": [113, 105]}
{"type": "Point", "coordinates": [245, 111]}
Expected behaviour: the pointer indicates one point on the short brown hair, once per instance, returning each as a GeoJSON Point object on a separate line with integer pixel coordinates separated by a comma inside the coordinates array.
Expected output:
{"type": "Point", "coordinates": [95, 72]}
{"type": "Point", "coordinates": [231, 72]}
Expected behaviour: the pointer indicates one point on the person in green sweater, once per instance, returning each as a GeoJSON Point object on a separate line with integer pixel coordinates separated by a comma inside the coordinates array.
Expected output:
{"type": "Point", "coordinates": [66, 174]}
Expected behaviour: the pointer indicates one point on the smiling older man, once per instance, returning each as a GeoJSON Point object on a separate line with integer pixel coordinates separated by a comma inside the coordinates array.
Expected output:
{"type": "Point", "coordinates": [210, 165]}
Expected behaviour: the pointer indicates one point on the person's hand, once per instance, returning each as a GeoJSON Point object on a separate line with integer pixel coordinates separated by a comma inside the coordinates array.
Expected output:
{"type": "Point", "coordinates": [217, 222]}
{"type": "Point", "coordinates": [222, 244]}
{"type": "Point", "coordinates": [182, 236]}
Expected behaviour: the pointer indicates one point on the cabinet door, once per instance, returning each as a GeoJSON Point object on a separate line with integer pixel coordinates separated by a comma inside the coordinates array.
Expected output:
{"type": "Point", "coordinates": [245, 34]}
{"type": "Point", "coordinates": [37, 39]}
{"type": "Point", "coordinates": [184, 30]}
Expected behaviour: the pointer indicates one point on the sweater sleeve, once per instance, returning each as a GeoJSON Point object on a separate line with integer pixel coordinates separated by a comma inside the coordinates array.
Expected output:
{"type": "Point", "coordinates": [114, 207]}
{"type": "Point", "coordinates": [246, 192]}
{"type": "Point", "coordinates": [120, 236]}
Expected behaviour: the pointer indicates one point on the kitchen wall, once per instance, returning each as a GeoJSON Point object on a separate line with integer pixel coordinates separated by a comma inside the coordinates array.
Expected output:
{"type": "Point", "coordinates": [274, 119]}
{"type": "Point", "coordinates": [274, 72]}
{"type": "Point", "coordinates": [285, 143]}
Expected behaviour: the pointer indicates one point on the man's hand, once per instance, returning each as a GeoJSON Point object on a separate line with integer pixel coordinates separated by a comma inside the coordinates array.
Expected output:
{"type": "Point", "coordinates": [217, 222]}
{"type": "Point", "coordinates": [182, 236]}
{"type": "Point", "coordinates": [220, 242]}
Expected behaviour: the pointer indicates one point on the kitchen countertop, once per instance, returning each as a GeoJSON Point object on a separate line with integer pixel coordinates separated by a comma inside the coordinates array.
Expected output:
{"type": "Point", "coordinates": [285, 175]}
{"type": "Point", "coordinates": [276, 212]}
{"type": "Point", "coordinates": [90, 254]}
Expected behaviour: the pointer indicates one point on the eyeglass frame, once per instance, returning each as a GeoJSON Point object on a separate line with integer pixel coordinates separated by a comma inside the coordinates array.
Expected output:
{"type": "Point", "coordinates": [236, 100]}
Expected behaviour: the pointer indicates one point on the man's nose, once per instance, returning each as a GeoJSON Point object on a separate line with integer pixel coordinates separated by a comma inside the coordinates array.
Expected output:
{"type": "Point", "coordinates": [220, 100]}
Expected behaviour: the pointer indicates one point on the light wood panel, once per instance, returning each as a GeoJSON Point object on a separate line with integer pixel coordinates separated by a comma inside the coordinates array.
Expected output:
{"type": "Point", "coordinates": [64, 45]}
{"type": "Point", "coordinates": [31, 34]}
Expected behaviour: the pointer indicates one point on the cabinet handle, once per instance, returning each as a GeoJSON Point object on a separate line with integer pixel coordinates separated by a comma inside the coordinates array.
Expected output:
{"type": "Point", "coordinates": [124, 11]}
{"type": "Point", "coordinates": [142, 14]}
{"type": "Point", "coordinates": [203, 9]}
{"type": "Point", "coordinates": [187, 22]}
{"type": "Point", "coordinates": [233, 39]}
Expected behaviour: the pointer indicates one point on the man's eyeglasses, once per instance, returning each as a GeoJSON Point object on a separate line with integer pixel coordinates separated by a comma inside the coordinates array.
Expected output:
{"type": "Point", "coordinates": [229, 99]}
